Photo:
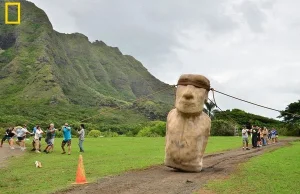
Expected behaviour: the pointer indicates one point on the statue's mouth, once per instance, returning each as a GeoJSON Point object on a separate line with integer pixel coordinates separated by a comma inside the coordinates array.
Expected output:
{"type": "Point", "coordinates": [187, 103]}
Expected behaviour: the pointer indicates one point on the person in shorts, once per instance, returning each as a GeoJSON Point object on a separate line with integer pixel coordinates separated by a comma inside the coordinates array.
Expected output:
{"type": "Point", "coordinates": [273, 135]}
{"type": "Point", "coordinates": [5, 136]}
{"type": "Point", "coordinates": [245, 138]}
{"type": "Point", "coordinates": [11, 134]}
{"type": "Point", "coordinates": [50, 135]}
{"type": "Point", "coordinates": [66, 129]}
{"type": "Point", "coordinates": [21, 134]}
{"type": "Point", "coordinates": [269, 135]}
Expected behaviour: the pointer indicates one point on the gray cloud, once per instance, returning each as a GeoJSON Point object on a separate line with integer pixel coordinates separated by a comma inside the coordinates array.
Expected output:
{"type": "Point", "coordinates": [246, 48]}
{"type": "Point", "coordinates": [149, 27]}
{"type": "Point", "coordinates": [254, 15]}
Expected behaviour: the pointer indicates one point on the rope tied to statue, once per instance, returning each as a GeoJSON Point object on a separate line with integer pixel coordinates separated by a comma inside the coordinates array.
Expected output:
{"type": "Point", "coordinates": [280, 111]}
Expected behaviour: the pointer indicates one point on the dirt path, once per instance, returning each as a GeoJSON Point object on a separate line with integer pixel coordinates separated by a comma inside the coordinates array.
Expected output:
{"type": "Point", "coordinates": [6, 152]}
{"type": "Point", "coordinates": [161, 179]}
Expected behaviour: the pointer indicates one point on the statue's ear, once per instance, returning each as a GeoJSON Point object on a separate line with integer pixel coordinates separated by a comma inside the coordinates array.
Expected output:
{"type": "Point", "coordinates": [175, 91]}
{"type": "Point", "coordinates": [206, 95]}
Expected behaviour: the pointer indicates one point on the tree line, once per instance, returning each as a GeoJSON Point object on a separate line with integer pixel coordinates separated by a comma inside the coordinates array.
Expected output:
{"type": "Point", "coordinates": [229, 122]}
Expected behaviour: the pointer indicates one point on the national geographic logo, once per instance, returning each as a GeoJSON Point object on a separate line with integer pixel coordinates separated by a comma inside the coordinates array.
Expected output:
{"type": "Point", "coordinates": [18, 5]}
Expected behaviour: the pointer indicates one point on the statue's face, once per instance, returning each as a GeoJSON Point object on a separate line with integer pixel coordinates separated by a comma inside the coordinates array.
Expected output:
{"type": "Point", "coordinates": [190, 99]}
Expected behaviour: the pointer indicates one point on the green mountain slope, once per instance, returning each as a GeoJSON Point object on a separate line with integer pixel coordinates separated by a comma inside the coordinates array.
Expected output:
{"type": "Point", "coordinates": [43, 70]}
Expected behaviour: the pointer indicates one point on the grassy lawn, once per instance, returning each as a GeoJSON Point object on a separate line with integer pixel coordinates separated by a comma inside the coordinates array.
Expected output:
{"type": "Point", "coordinates": [274, 172]}
{"type": "Point", "coordinates": [103, 156]}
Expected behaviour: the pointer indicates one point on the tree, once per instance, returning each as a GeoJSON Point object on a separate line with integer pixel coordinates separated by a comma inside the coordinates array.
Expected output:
{"type": "Point", "coordinates": [222, 128]}
{"type": "Point", "coordinates": [210, 109]}
{"type": "Point", "coordinates": [291, 108]}
{"type": "Point", "coordinates": [243, 118]}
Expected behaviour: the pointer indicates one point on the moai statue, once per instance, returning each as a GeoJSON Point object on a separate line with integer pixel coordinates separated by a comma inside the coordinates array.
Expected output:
{"type": "Point", "coordinates": [188, 127]}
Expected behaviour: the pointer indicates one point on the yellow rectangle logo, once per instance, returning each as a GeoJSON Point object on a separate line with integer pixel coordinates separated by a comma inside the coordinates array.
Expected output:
{"type": "Point", "coordinates": [6, 12]}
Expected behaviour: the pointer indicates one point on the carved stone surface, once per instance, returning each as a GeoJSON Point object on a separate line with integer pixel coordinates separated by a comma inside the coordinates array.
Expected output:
{"type": "Point", "coordinates": [188, 128]}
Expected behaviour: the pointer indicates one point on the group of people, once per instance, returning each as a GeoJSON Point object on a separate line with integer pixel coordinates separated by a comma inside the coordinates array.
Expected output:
{"type": "Point", "coordinates": [20, 134]}
{"type": "Point", "coordinates": [259, 136]}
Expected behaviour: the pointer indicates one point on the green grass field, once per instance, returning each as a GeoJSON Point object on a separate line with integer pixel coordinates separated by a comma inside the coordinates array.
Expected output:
{"type": "Point", "coordinates": [273, 172]}
{"type": "Point", "coordinates": [103, 156]}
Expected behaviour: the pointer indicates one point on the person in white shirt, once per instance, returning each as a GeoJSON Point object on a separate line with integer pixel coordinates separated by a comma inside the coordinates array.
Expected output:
{"type": "Point", "coordinates": [245, 138]}
{"type": "Point", "coordinates": [37, 135]}
{"type": "Point", "coordinates": [21, 134]}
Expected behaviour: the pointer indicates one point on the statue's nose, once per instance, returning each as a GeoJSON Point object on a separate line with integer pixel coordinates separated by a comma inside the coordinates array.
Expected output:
{"type": "Point", "coordinates": [188, 95]}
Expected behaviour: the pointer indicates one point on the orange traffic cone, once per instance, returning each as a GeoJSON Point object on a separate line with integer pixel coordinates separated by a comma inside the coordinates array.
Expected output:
{"type": "Point", "coordinates": [80, 175]}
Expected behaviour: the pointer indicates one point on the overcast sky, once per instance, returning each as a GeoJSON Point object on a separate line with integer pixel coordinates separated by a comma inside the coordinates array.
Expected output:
{"type": "Point", "coordinates": [249, 49]}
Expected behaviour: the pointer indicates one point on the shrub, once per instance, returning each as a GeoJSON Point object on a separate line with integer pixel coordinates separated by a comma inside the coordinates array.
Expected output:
{"type": "Point", "coordinates": [289, 130]}
{"type": "Point", "coordinates": [2, 132]}
{"type": "Point", "coordinates": [147, 132]}
{"type": "Point", "coordinates": [59, 134]}
{"type": "Point", "coordinates": [94, 133]}
{"type": "Point", "coordinates": [109, 134]}
{"type": "Point", "coordinates": [129, 134]}
{"type": "Point", "coordinates": [154, 129]}
{"type": "Point", "coordinates": [222, 128]}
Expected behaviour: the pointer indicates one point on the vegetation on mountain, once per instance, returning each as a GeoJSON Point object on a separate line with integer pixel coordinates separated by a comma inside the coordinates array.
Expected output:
{"type": "Point", "coordinates": [242, 118]}
{"type": "Point", "coordinates": [239, 118]}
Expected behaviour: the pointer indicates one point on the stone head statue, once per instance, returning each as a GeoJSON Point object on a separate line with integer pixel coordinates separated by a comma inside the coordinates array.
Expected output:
{"type": "Point", "coordinates": [188, 128]}
{"type": "Point", "coordinates": [192, 91]}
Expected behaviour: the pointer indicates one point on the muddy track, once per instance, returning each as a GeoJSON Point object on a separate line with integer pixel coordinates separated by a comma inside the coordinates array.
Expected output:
{"type": "Point", "coordinates": [6, 152]}
{"type": "Point", "coordinates": [161, 179]}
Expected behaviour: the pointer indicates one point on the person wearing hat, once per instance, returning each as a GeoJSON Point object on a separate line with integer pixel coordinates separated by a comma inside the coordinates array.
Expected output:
{"type": "Point", "coordinates": [66, 129]}
{"type": "Point", "coordinates": [188, 127]}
